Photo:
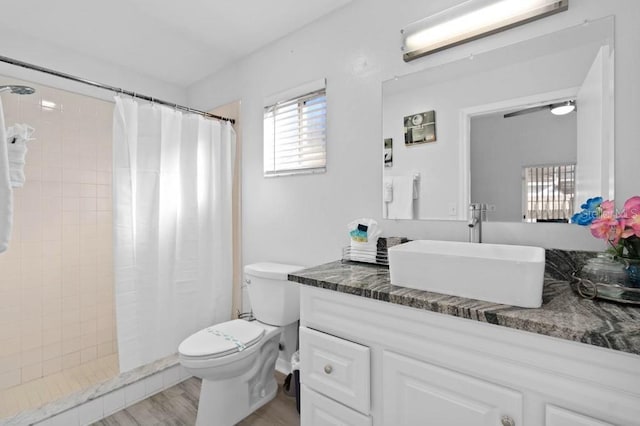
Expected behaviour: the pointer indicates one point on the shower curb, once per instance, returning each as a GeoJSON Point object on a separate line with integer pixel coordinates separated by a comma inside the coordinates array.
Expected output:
{"type": "Point", "coordinates": [103, 399]}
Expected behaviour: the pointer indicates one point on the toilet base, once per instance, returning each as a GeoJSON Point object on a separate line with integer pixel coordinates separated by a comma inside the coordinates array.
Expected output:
{"type": "Point", "coordinates": [227, 411]}
{"type": "Point", "coordinates": [226, 402]}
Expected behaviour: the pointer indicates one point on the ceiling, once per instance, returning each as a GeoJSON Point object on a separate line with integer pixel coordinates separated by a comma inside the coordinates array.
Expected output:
{"type": "Point", "coordinates": [178, 42]}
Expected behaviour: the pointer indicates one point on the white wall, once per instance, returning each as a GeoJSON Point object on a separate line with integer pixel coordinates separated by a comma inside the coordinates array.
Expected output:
{"type": "Point", "coordinates": [501, 147]}
{"type": "Point", "coordinates": [303, 219]}
{"type": "Point", "coordinates": [38, 52]}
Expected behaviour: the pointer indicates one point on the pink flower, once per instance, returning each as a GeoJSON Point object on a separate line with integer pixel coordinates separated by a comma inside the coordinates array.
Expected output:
{"type": "Point", "coordinates": [608, 208]}
{"type": "Point", "coordinates": [631, 217]}
{"type": "Point", "coordinates": [632, 207]}
{"type": "Point", "coordinates": [632, 226]}
{"type": "Point", "coordinates": [607, 228]}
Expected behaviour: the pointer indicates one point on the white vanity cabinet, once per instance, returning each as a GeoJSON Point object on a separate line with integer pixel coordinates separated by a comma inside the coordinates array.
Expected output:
{"type": "Point", "coordinates": [425, 368]}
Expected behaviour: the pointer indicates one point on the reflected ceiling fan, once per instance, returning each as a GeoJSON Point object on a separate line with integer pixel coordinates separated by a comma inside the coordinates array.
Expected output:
{"type": "Point", "coordinates": [558, 108]}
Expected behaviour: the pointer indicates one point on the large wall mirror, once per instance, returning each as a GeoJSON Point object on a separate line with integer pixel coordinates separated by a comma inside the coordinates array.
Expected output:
{"type": "Point", "coordinates": [481, 129]}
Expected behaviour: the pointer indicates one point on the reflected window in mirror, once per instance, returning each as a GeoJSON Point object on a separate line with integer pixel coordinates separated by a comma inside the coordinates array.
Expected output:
{"type": "Point", "coordinates": [548, 193]}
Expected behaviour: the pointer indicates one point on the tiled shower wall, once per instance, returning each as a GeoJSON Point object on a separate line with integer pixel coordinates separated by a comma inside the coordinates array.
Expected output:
{"type": "Point", "coordinates": [56, 278]}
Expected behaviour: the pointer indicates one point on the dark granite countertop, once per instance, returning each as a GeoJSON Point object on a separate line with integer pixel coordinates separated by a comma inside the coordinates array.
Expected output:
{"type": "Point", "coordinates": [563, 314]}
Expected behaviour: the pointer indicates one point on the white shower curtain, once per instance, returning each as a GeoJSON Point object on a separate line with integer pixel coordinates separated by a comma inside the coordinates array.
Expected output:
{"type": "Point", "coordinates": [172, 227]}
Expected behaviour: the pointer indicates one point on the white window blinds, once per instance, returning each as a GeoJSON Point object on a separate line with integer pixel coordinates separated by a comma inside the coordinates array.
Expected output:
{"type": "Point", "coordinates": [295, 135]}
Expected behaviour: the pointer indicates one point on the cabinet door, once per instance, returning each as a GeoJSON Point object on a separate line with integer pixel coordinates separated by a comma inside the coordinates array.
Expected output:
{"type": "Point", "coordinates": [318, 410]}
{"type": "Point", "coordinates": [419, 393]}
{"type": "Point", "coordinates": [556, 416]}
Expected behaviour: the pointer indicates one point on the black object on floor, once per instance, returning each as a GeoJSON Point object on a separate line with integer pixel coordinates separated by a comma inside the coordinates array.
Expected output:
{"type": "Point", "coordinates": [296, 375]}
{"type": "Point", "coordinates": [289, 388]}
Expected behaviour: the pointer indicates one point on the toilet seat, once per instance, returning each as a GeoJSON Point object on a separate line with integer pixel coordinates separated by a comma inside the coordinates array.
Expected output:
{"type": "Point", "coordinates": [221, 340]}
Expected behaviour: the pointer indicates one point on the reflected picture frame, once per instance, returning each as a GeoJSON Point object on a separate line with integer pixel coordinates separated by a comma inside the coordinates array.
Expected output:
{"type": "Point", "coordinates": [420, 128]}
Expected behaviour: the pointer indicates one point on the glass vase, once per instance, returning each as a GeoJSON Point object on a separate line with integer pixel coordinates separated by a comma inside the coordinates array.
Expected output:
{"type": "Point", "coordinates": [632, 268]}
{"type": "Point", "coordinates": [605, 269]}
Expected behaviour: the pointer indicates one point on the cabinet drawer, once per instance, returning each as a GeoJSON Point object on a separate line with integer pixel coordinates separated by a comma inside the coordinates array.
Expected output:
{"type": "Point", "coordinates": [336, 368]}
{"type": "Point", "coordinates": [318, 410]}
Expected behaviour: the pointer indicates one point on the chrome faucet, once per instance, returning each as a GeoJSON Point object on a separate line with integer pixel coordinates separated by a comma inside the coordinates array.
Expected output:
{"type": "Point", "coordinates": [477, 213]}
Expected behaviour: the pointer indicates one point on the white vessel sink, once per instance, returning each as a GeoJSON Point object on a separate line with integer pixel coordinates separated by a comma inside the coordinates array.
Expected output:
{"type": "Point", "coordinates": [511, 275]}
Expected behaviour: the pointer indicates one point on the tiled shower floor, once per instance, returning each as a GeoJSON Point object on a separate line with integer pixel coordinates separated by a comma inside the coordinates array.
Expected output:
{"type": "Point", "coordinates": [39, 392]}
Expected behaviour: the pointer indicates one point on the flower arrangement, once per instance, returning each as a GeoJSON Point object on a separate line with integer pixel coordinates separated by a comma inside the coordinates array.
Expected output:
{"type": "Point", "coordinates": [621, 230]}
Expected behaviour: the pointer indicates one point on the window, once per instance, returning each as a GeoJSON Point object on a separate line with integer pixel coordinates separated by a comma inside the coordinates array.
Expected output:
{"type": "Point", "coordinates": [549, 192]}
{"type": "Point", "coordinates": [295, 134]}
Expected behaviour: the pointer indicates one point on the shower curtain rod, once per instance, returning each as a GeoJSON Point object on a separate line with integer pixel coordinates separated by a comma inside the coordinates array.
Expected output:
{"type": "Point", "coordinates": [111, 88]}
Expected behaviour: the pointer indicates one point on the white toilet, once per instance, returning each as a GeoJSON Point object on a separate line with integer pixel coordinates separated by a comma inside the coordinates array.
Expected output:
{"type": "Point", "coordinates": [236, 359]}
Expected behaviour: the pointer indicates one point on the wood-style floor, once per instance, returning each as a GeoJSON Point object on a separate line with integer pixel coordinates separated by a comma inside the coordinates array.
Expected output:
{"type": "Point", "coordinates": [177, 406]}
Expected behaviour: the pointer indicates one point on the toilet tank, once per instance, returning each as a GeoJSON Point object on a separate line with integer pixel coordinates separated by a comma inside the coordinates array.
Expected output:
{"type": "Point", "coordinates": [274, 299]}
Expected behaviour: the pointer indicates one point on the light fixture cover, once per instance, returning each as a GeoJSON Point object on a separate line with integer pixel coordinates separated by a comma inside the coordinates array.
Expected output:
{"type": "Point", "coordinates": [471, 20]}
{"type": "Point", "coordinates": [563, 108]}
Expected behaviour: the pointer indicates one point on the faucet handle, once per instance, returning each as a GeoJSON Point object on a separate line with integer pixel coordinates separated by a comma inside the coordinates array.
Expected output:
{"type": "Point", "coordinates": [482, 207]}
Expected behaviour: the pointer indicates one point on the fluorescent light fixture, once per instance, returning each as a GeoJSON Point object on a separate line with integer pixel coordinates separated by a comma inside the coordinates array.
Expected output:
{"type": "Point", "coordinates": [563, 108]}
{"type": "Point", "coordinates": [471, 20]}
{"type": "Point", "coordinates": [47, 104]}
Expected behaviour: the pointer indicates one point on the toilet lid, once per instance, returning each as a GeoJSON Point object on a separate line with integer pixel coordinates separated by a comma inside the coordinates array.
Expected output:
{"type": "Point", "coordinates": [222, 339]}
